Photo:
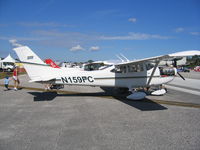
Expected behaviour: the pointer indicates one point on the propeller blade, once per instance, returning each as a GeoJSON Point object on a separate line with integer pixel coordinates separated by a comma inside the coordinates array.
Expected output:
{"type": "Point", "coordinates": [180, 75]}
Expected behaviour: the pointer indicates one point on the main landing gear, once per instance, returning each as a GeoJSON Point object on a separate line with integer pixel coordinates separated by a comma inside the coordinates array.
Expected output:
{"type": "Point", "coordinates": [137, 95]}
{"type": "Point", "coordinates": [141, 93]}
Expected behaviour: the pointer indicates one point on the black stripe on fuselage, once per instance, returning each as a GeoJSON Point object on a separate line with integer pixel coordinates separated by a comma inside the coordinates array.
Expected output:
{"type": "Point", "coordinates": [136, 77]}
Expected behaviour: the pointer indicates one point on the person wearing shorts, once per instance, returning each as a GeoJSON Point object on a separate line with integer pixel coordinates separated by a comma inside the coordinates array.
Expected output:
{"type": "Point", "coordinates": [15, 78]}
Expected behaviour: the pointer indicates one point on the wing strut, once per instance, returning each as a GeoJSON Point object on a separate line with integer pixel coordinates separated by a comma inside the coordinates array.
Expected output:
{"type": "Point", "coordinates": [154, 69]}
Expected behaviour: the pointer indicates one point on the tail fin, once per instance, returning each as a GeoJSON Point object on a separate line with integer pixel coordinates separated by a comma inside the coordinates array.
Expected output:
{"type": "Point", "coordinates": [51, 63]}
{"type": "Point", "coordinates": [35, 67]}
{"type": "Point", "coordinates": [25, 54]}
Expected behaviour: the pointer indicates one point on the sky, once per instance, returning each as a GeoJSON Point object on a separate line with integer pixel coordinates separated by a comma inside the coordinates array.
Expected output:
{"type": "Point", "coordinates": [81, 30]}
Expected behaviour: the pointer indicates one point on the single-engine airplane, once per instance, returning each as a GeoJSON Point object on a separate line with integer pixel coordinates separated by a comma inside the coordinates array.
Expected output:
{"type": "Point", "coordinates": [132, 75]}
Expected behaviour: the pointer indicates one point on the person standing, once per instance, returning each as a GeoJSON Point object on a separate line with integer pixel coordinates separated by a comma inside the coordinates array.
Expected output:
{"type": "Point", "coordinates": [15, 78]}
{"type": "Point", "coordinates": [6, 82]}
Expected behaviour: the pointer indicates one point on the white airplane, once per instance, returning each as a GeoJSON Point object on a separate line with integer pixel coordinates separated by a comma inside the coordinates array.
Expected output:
{"type": "Point", "coordinates": [133, 75]}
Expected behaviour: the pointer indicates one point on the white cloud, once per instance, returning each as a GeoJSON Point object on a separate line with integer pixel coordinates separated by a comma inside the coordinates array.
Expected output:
{"type": "Point", "coordinates": [67, 39]}
{"type": "Point", "coordinates": [132, 20]}
{"type": "Point", "coordinates": [135, 36]}
{"type": "Point", "coordinates": [11, 38]}
{"type": "Point", "coordinates": [14, 43]}
{"type": "Point", "coordinates": [195, 33]}
{"type": "Point", "coordinates": [76, 48]}
{"type": "Point", "coordinates": [43, 24]}
{"type": "Point", "coordinates": [94, 48]}
{"type": "Point", "coordinates": [180, 29]}
{"type": "Point", "coordinates": [73, 40]}
{"type": "Point", "coordinates": [50, 33]}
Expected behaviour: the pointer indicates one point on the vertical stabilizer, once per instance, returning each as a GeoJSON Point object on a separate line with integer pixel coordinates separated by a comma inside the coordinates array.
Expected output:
{"type": "Point", "coordinates": [25, 54]}
{"type": "Point", "coordinates": [35, 67]}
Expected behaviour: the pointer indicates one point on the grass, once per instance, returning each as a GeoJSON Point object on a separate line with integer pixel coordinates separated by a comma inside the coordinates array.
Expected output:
{"type": "Point", "coordinates": [4, 74]}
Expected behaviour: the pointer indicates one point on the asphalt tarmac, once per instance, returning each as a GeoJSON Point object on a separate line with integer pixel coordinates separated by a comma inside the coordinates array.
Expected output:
{"type": "Point", "coordinates": [87, 118]}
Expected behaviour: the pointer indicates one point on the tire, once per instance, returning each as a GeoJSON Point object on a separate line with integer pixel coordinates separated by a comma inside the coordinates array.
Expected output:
{"type": "Point", "coordinates": [9, 70]}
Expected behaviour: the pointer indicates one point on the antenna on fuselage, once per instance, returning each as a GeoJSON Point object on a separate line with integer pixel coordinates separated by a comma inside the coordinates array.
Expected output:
{"type": "Point", "coordinates": [120, 58]}
{"type": "Point", "coordinates": [127, 60]}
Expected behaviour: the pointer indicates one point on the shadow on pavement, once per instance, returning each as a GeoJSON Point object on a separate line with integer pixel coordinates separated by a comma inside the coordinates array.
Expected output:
{"type": "Point", "coordinates": [143, 105]}
{"type": "Point", "coordinates": [43, 96]}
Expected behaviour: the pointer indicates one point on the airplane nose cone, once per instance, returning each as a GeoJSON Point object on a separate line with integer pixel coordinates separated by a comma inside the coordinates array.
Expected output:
{"type": "Point", "coordinates": [175, 71]}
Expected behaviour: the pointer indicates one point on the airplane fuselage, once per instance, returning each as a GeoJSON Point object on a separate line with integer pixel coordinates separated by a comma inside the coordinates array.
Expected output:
{"type": "Point", "coordinates": [111, 79]}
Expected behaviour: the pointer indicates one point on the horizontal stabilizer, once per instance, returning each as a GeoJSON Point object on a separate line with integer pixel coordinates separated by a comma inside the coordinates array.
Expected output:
{"type": "Point", "coordinates": [42, 79]}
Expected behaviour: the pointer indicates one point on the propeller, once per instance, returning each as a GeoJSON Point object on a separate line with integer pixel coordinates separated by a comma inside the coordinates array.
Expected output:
{"type": "Point", "coordinates": [175, 65]}
{"type": "Point", "coordinates": [180, 75]}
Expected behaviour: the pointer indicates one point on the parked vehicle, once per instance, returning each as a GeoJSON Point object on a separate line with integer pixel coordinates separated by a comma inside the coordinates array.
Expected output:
{"type": "Point", "coordinates": [197, 69]}
{"type": "Point", "coordinates": [183, 69]}
{"type": "Point", "coordinates": [7, 66]}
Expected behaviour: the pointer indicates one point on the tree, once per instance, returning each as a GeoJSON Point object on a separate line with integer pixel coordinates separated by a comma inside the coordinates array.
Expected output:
{"type": "Point", "coordinates": [90, 61]}
{"type": "Point", "coordinates": [193, 61]}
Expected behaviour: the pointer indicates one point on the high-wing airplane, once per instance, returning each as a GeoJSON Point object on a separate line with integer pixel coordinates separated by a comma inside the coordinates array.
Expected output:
{"type": "Point", "coordinates": [133, 75]}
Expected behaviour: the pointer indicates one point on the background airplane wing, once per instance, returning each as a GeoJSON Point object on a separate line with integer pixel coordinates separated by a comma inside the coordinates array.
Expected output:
{"type": "Point", "coordinates": [163, 57]}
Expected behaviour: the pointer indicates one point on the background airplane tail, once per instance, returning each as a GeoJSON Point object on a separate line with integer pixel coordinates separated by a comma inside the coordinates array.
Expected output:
{"type": "Point", "coordinates": [51, 63]}
{"type": "Point", "coordinates": [35, 67]}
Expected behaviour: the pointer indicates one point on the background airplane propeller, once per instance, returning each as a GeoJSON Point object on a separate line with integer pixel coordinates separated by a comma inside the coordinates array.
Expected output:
{"type": "Point", "coordinates": [175, 65]}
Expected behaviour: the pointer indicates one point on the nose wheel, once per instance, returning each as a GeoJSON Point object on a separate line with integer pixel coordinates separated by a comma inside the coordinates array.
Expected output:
{"type": "Point", "coordinates": [160, 90]}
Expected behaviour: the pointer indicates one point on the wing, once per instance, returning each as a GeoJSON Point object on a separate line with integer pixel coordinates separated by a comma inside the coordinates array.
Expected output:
{"type": "Point", "coordinates": [163, 57]}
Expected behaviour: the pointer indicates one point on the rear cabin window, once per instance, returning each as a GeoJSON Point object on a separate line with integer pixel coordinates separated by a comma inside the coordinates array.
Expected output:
{"type": "Point", "coordinates": [135, 68]}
